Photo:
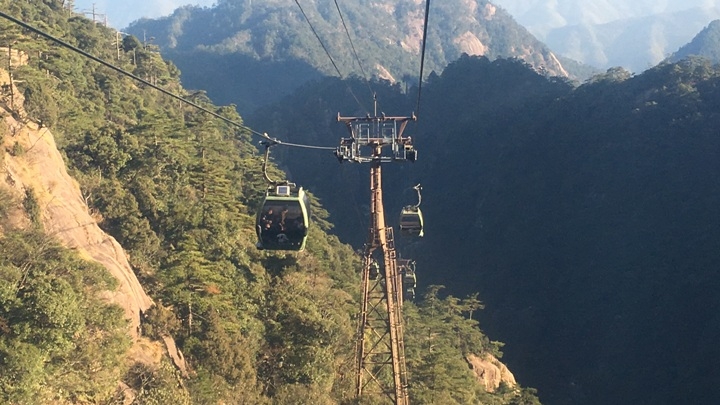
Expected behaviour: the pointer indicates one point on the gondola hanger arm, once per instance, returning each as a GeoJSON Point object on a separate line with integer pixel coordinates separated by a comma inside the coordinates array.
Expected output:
{"type": "Point", "coordinates": [269, 144]}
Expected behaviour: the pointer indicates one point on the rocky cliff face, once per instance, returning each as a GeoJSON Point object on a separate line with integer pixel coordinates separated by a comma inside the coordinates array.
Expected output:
{"type": "Point", "coordinates": [31, 160]}
{"type": "Point", "coordinates": [490, 371]}
{"type": "Point", "coordinates": [65, 215]}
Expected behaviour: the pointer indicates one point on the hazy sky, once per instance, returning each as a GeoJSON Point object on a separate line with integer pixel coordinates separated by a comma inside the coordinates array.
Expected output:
{"type": "Point", "coordinates": [536, 15]}
{"type": "Point", "coordinates": [121, 13]}
{"type": "Point", "coordinates": [531, 13]}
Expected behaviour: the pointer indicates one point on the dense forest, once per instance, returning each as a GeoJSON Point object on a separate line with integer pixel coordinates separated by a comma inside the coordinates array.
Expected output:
{"type": "Point", "coordinates": [179, 189]}
{"type": "Point", "coordinates": [586, 217]}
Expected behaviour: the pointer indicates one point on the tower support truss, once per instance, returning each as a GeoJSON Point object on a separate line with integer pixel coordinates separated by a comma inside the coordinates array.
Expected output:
{"type": "Point", "coordinates": [380, 344]}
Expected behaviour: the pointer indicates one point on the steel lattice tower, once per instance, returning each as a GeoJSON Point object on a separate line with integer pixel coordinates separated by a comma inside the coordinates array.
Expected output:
{"type": "Point", "coordinates": [380, 354]}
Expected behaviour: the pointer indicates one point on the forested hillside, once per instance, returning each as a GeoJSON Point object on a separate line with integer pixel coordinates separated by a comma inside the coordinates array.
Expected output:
{"type": "Point", "coordinates": [179, 189]}
{"type": "Point", "coordinates": [268, 48]}
{"type": "Point", "coordinates": [585, 217]}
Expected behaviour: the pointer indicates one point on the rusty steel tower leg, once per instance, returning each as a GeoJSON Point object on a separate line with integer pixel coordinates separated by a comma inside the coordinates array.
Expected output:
{"type": "Point", "coordinates": [380, 346]}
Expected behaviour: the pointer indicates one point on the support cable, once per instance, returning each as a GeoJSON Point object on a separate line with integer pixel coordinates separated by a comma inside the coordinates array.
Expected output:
{"type": "Point", "coordinates": [160, 89]}
{"type": "Point", "coordinates": [422, 57]}
{"type": "Point", "coordinates": [327, 52]}
{"type": "Point", "coordinates": [352, 46]}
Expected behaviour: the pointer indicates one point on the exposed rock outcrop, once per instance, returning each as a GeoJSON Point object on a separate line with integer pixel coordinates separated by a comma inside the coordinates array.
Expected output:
{"type": "Point", "coordinates": [490, 371]}
{"type": "Point", "coordinates": [66, 217]}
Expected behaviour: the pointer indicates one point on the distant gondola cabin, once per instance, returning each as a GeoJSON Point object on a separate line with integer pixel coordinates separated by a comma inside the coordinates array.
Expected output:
{"type": "Point", "coordinates": [411, 221]}
{"type": "Point", "coordinates": [282, 223]}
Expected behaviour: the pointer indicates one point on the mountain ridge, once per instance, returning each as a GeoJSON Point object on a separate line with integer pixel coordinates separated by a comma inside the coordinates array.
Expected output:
{"type": "Point", "coordinates": [387, 36]}
{"type": "Point", "coordinates": [705, 44]}
{"type": "Point", "coordinates": [626, 42]}
{"type": "Point", "coordinates": [612, 33]}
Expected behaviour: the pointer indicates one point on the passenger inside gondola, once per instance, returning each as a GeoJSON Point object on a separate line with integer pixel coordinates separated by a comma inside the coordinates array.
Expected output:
{"type": "Point", "coordinates": [282, 224]}
{"type": "Point", "coordinates": [267, 219]}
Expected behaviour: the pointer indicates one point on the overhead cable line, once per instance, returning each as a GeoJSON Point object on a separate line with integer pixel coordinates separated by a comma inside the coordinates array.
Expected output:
{"type": "Point", "coordinates": [158, 88]}
{"type": "Point", "coordinates": [327, 52]}
{"type": "Point", "coordinates": [422, 57]}
{"type": "Point", "coordinates": [352, 46]}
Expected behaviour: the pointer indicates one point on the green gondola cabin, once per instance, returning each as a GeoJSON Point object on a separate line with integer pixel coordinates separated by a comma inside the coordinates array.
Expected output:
{"type": "Point", "coordinates": [282, 223]}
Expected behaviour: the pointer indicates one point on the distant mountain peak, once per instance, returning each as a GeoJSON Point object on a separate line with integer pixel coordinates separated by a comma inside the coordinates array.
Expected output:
{"type": "Point", "coordinates": [705, 44]}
